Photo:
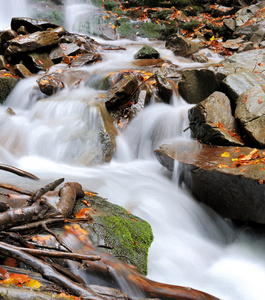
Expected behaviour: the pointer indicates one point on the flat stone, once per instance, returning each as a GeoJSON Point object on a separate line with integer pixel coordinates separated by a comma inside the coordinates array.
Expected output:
{"type": "Point", "coordinates": [235, 192]}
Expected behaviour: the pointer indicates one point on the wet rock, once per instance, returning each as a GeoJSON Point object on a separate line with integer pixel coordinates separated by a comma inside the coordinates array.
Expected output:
{"type": "Point", "coordinates": [250, 111]}
{"type": "Point", "coordinates": [7, 83]}
{"type": "Point", "coordinates": [196, 85]}
{"type": "Point", "coordinates": [85, 59]}
{"type": "Point", "coordinates": [164, 88]}
{"type": "Point", "coordinates": [230, 24]}
{"type": "Point", "coordinates": [3, 63]}
{"type": "Point", "coordinates": [120, 93]}
{"type": "Point", "coordinates": [127, 236]}
{"type": "Point", "coordinates": [215, 177]}
{"type": "Point", "coordinates": [8, 35]}
{"type": "Point", "coordinates": [50, 84]}
{"type": "Point", "coordinates": [22, 30]}
{"type": "Point", "coordinates": [182, 46]}
{"type": "Point", "coordinates": [40, 61]}
{"type": "Point", "coordinates": [147, 52]}
{"type": "Point", "coordinates": [64, 49]}
{"type": "Point", "coordinates": [22, 71]}
{"type": "Point", "coordinates": [31, 42]}
{"type": "Point", "coordinates": [211, 121]}
{"type": "Point", "coordinates": [31, 25]}
{"type": "Point", "coordinates": [233, 44]}
{"type": "Point", "coordinates": [199, 57]}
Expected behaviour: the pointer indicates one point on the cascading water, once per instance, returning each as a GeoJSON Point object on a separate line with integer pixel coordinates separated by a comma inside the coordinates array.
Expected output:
{"type": "Point", "coordinates": [192, 245]}
{"type": "Point", "coordinates": [10, 9]}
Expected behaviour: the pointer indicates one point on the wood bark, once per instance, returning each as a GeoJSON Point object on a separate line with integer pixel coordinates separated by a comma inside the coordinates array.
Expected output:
{"type": "Point", "coordinates": [17, 171]}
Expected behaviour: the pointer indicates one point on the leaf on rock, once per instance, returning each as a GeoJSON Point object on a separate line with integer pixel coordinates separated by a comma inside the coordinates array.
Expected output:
{"type": "Point", "coordinates": [84, 213]}
{"type": "Point", "coordinates": [225, 154]}
{"type": "Point", "coordinates": [32, 283]}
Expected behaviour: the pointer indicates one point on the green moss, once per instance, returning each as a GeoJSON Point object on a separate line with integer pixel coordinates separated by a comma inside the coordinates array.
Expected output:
{"type": "Point", "coordinates": [130, 236]}
{"type": "Point", "coordinates": [127, 30]}
{"type": "Point", "coordinates": [149, 30]}
{"type": "Point", "coordinates": [189, 26]}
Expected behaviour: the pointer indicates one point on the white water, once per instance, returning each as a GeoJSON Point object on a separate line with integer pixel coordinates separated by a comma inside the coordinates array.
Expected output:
{"type": "Point", "coordinates": [10, 9]}
{"type": "Point", "coordinates": [192, 246]}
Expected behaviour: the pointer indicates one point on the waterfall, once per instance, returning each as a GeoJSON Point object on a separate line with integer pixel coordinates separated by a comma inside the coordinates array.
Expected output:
{"type": "Point", "coordinates": [192, 245]}
{"type": "Point", "coordinates": [10, 9]}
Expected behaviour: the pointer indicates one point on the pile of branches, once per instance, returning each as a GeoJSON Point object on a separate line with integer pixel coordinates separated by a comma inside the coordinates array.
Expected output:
{"type": "Point", "coordinates": [38, 215]}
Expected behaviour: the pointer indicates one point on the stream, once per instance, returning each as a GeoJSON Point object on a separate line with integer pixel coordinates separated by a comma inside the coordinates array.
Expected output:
{"type": "Point", "coordinates": [192, 245]}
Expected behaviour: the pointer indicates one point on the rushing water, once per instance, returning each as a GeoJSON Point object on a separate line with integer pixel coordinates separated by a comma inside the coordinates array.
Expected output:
{"type": "Point", "coordinates": [192, 245]}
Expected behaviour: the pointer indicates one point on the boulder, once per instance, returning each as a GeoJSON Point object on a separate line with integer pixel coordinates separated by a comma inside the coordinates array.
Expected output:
{"type": "Point", "coordinates": [147, 52]}
{"type": "Point", "coordinates": [164, 88]}
{"type": "Point", "coordinates": [181, 46]}
{"type": "Point", "coordinates": [32, 25]}
{"type": "Point", "coordinates": [125, 236]}
{"type": "Point", "coordinates": [39, 61]}
{"type": "Point", "coordinates": [227, 179]}
{"type": "Point", "coordinates": [8, 35]}
{"type": "Point", "coordinates": [236, 84]}
{"type": "Point", "coordinates": [22, 71]}
{"type": "Point", "coordinates": [120, 93]}
{"type": "Point", "coordinates": [197, 84]}
{"type": "Point", "coordinates": [250, 111]}
{"type": "Point", "coordinates": [85, 59]}
{"type": "Point", "coordinates": [64, 49]}
{"type": "Point", "coordinates": [7, 83]}
{"type": "Point", "coordinates": [211, 121]}
{"type": "Point", "coordinates": [33, 41]}
{"type": "Point", "coordinates": [51, 83]}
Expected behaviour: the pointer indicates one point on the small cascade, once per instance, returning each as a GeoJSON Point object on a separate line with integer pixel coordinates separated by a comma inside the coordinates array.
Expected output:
{"type": "Point", "coordinates": [10, 9]}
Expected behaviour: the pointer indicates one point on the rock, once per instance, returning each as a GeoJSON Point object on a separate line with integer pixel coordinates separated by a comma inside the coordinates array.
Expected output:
{"type": "Point", "coordinates": [181, 46]}
{"type": "Point", "coordinates": [120, 93]}
{"type": "Point", "coordinates": [216, 176]}
{"type": "Point", "coordinates": [52, 83]}
{"type": "Point", "coordinates": [196, 85]}
{"type": "Point", "coordinates": [230, 24]}
{"type": "Point", "coordinates": [31, 25]}
{"type": "Point", "coordinates": [7, 83]}
{"type": "Point", "coordinates": [245, 47]}
{"type": "Point", "coordinates": [127, 236]}
{"type": "Point", "coordinates": [250, 111]}
{"type": "Point", "coordinates": [33, 41]}
{"type": "Point", "coordinates": [147, 52]}
{"type": "Point", "coordinates": [211, 121]}
{"type": "Point", "coordinates": [22, 30]}
{"type": "Point", "coordinates": [22, 71]}
{"type": "Point", "coordinates": [233, 44]}
{"type": "Point", "coordinates": [236, 84]}
{"type": "Point", "coordinates": [258, 37]}
{"type": "Point", "coordinates": [39, 61]}
{"type": "Point", "coordinates": [3, 63]}
{"type": "Point", "coordinates": [199, 57]}
{"type": "Point", "coordinates": [85, 59]}
{"type": "Point", "coordinates": [64, 49]}
{"type": "Point", "coordinates": [8, 35]}
{"type": "Point", "coordinates": [164, 88]}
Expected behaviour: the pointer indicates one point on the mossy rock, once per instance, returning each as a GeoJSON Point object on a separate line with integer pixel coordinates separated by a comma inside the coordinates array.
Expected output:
{"type": "Point", "coordinates": [147, 52]}
{"type": "Point", "coordinates": [129, 236]}
{"type": "Point", "coordinates": [7, 83]}
{"type": "Point", "coordinates": [149, 30]}
{"type": "Point", "coordinates": [127, 30]}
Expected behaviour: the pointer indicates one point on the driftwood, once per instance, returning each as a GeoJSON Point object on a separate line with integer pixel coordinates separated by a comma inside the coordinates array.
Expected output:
{"type": "Point", "coordinates": [15, 189]}
{"type": "Point", "coordinates": [43, 190]}
{"type": "Point", "coordinates": [47, 271]}
{"type": "Point", "coordinates": [17, 171]}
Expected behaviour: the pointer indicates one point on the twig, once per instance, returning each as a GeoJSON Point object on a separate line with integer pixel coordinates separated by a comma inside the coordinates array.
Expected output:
{"type": "Point", "coordinates": [184, 130]}
{"type": "Point", "coordinates": [43, 190]}
{"type": "Point", "coordinates": [58, 254]}
{"type": "Point", "coordinates": [150, 77]}
{"type": "Point", "coordinates": [56, 237]}
{"type": "Point", "coordinates": [15, 189]}
{"type": "Point", "coordinates": [17, 171]}
{"type": "Point", "coordinates": [48, 272]}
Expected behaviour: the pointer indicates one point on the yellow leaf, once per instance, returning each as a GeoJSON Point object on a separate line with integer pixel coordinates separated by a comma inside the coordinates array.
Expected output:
{"type": "Point", "coordinates": [32, 283]}
{"type": "Point", "coordinates": [225, 154]}
{"type": "Point", "coordinates": [212, 38]}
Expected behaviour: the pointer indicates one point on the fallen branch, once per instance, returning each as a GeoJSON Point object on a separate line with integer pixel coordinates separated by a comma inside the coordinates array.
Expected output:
{"type": "Point", "coordinates": [18, 216]}
{"type": "Point", "coordinates": [48, 272]}
{"type": "Point", "coordinates": [15, 189]}
{"type": "Point", "coordinates": [58, 254]}
{"type": "Point", "coordinates": [68, 195]}
{"type": "Point", "coordinates": [43, 190]}
{"type": "Point", "coordinates": [17, 171]}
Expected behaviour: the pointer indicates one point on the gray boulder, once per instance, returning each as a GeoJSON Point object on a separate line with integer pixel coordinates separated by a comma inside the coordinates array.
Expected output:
{"type": "Point", "coordinates": [211, 121]}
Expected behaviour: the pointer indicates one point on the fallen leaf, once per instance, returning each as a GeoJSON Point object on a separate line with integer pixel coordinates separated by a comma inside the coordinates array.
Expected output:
{"type": "Point", "coordinates": [32, 283]}
{"type": "Point", "coordinates": [225, 154]}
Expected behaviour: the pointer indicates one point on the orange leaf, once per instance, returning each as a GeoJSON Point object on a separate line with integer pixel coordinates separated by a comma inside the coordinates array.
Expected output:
{"type": "Point", "coordinates": [86, 202]}
{"type": "Point", "coordinates": [4, 273]}
{"type": "Point", "coordinates": [260, 181]}
{"type": "Point", "coordinates": [83, 213]}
